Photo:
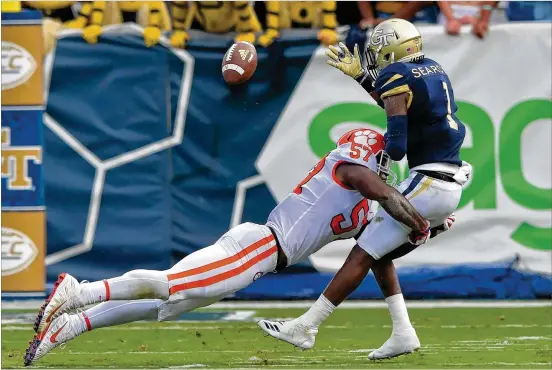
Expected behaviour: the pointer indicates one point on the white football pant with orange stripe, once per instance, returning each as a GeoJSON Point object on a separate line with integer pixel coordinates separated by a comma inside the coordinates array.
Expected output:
{"type": "Point", "coordinates": [239, 257]}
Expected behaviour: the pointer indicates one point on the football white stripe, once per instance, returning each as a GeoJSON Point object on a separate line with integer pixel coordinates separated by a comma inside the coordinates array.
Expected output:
{"type": "Point", "coordinates": [232, 67]}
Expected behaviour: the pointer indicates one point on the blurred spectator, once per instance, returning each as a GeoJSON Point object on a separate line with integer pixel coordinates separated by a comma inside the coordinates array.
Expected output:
{"type": "Point", "coordinates": [373, 13]}
{"type": "Point", "coordinates": [63, 12]}
{"type": "Point", "coordinates": [529, 11]}
{"type": "Point", "coordinates": [300, 14]}
{"type": "Point", "coordinates": [60, 11]}
{"type": "Point", "coordinates": [213, 17]}
{"type": "Point", "coordinates": [454, 14]}
{"type": "Point", "coordinates": [152, 15]}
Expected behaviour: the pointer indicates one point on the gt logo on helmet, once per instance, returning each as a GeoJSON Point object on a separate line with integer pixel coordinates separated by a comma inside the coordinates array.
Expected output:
{"type": "Point", "coordinates": [380, 38]}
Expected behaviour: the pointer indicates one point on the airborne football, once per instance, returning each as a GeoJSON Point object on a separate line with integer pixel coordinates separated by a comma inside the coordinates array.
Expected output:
{"type": "Point", "coordinates": [239, 63]}
{"type": "Point", "coordinates": [279, 184]}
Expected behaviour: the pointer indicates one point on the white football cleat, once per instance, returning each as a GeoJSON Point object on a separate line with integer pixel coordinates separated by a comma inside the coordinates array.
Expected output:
{"type": "Point", "coordinates": [65, 296]}
{"type": "Point", "coordinates": [60, 330]}
{"type": "Point", "coordinates": [400, 343]}
{"type": "Point", "coordinates": [293, 332]}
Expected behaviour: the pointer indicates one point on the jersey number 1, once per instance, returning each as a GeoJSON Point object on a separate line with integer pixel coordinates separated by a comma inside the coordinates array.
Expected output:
{"type": "Point", "coordinates": [452, 123]}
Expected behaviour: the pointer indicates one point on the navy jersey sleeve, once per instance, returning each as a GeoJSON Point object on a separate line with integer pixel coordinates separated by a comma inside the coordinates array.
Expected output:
{"type": "Point", "coordinates": [394, 80]}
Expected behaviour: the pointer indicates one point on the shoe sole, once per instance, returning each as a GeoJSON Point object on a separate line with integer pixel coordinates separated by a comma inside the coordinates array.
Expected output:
{"type": "Point", "coordinates": [31, 351]}
{"type": "Point", "coordinates": [40, 315]}
{"type": "Point", "coordinates": [394, 356]}
{"type": "Point", "coordinates": [282, 339]}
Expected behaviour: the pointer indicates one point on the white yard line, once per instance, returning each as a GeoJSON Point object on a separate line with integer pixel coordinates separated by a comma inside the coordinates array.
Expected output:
{"type": "Point", "coordinates": [35, 304]}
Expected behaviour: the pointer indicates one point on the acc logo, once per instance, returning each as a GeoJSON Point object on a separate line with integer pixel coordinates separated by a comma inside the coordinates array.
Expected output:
{"type": "Point", "coordinates": [15, 162]}
{"type": "Point", "coordinates": [18, 251]}
{"type": "Point", "coordinates": [379, 38]}
{"type": "Point", "coordinates": [18, 65]}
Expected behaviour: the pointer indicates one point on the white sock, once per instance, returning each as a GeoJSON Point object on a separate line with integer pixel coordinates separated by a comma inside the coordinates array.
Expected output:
{"type": "Point", "coordinates": [80, 323]}
{"type": "Point", "coordinates": [399, 314]}
{"type": "Point", "coordinates": [318, 312]}
{"type": "Point", "coordinates": [120, 312]}
{"type": "Point", "coordinates": [136, 284]}
{"type": "Point", "coordinates": [97, 291]}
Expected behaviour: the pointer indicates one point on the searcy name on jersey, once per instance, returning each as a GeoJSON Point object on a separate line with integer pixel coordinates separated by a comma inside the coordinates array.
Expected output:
{"type": "Point", "coordinates": [424, 71]}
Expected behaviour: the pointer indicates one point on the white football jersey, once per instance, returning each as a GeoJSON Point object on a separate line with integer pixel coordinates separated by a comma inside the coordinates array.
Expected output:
{"type": "Point", "coordinates": [321, 209]}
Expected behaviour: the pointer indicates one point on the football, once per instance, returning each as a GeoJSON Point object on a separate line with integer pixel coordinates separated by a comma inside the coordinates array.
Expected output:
{"type": "Point", "coordinates": [239, 63]}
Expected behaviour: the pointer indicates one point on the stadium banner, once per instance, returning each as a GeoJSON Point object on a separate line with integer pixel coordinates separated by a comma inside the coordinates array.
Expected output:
{"type": "Point", "coordinates": [151, 156]}
{"type": "Point", "coordinates": [23, 211]}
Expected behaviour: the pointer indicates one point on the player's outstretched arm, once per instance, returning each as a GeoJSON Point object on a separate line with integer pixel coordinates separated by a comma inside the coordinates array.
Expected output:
{"type": "Point", "coordinates": [369, 184]}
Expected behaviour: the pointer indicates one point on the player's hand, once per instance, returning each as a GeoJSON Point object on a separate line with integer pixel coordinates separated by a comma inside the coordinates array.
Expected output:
{"type": "Point", "coordinates": [342, 59]}
{"type": "Point", "coordinates": [480, 28]}
{"type": "Point", "coordinates": [420, 237]}
{"type": "Point", "coordinates": [450, 220]}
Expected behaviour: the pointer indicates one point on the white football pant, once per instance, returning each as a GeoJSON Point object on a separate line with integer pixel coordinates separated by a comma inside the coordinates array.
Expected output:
{"type": "Point", "coordinates": [434, 199]}
{"type": "Point", "coordinates": [241, 256]}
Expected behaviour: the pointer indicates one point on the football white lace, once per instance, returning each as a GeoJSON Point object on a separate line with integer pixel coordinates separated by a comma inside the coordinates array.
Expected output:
{"type": "Point", "coordinates": [292, 332]}
{"type": "Point", "coordinates": [400, 343]}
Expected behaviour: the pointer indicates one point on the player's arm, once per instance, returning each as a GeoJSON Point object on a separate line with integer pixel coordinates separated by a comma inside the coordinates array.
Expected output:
{"type": "Point", "coordinates": [369, 184]}
{"type": "Point", "coordinates": [396, 109]}
{"type": "Point", "coordinates": [376, 97]}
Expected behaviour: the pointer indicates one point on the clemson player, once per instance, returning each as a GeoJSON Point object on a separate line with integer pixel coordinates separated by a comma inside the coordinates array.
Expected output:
{"type": "Point", "coordinates": [333, 202]}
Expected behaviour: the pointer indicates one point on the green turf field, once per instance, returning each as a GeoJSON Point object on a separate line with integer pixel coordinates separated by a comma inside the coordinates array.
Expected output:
{"type": "Point", "coordinates": [451, 337]}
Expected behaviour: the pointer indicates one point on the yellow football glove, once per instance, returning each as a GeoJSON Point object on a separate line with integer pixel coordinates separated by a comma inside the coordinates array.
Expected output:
{"type": "Point", "coordinates": [342, 59]}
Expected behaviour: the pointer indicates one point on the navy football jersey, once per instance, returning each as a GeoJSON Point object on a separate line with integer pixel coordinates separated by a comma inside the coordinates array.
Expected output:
{"type": "Point", "coordinates": [435, 134]}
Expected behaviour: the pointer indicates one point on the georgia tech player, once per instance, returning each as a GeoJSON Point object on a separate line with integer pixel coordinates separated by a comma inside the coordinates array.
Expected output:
{"type": "Point", "coordinates": [417, 96]}
{"type": "Point", "coordinates": [332, 202]}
